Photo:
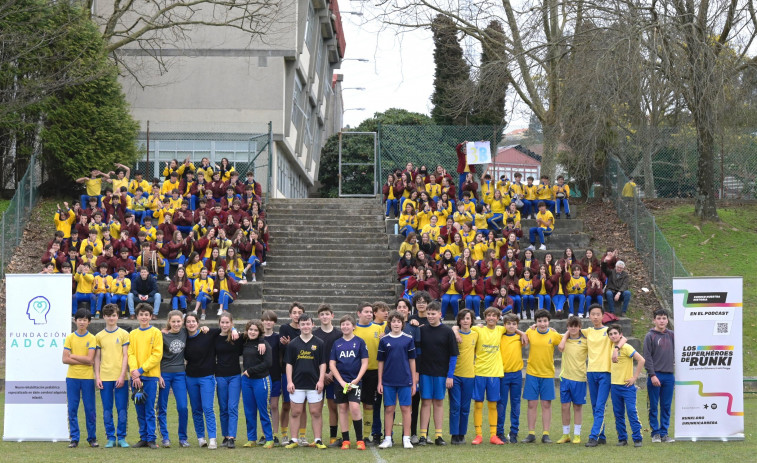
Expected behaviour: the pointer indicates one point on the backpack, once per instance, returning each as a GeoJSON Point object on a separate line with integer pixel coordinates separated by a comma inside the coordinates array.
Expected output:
{"type": "Point", "coordinates": [609, 317]}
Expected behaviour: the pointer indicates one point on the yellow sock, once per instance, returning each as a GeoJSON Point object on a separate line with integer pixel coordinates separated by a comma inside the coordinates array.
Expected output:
{"type": "Point", "coordinates": [438, 433]}
{"type": "Point", "coordinates": [545, 433]}
{"type": "Point", "coordinates": [302, 433]}
{"type": "Point", "coordinates": [424, 432]}
{"type": "Point", "coordinates": [532, 432]}
{"type": "Point", "coordinates": [478, 416]}
{"type": "Point", "coordinates": [284, 431]}
{"type": "Point", "coordinates": [492, 418]}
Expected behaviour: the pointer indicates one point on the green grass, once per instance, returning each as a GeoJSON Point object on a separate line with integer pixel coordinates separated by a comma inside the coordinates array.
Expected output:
{"type": "Point", "coordinates": [726, 248]}
{"type": "Point", "coordinates": [680, 451]}
{"type": "Point", "coordinates": [4, 203]}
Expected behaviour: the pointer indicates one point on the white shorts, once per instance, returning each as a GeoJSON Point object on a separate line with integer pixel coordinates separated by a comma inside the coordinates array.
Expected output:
{"type": "Point", "coordinates": [311, 395]}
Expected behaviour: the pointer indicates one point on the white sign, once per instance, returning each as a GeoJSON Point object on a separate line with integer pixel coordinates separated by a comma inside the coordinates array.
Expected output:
{"type": "Point", "coordinates": [38, 319]}
{"type": "Point", "coordinates": [709, 396]}
{"type": "Point", "coordinates": [478, 152]}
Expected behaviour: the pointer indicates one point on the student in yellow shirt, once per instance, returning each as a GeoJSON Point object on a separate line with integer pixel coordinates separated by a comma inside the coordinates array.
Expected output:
{"type": "Point", "coordinates": [623, 389]}
{"type": "Point", "coordinates": [203, 287]}
{"type": "Point", "coordinates": [408, 222]}
{"type": "Point", "coordinates": [487, 189]}
{"type": "Point", "coordinates": [149, 230]}
{"type": "Point", "coordinates": [119, 290]}
{"type": "Point", "coordinates": [479, 247]}
{"type": "Point", "coordinates": [561, 193]}
{"type": "Point", "coordinates": [424, 213]}
{"type": "Point", "coordinates": [93, 184]}
{"type": "Point", "coordinates": [145, 353]}
{"type": "Point", "coordinates": [601, 356]}
{"type": "Point", "coordinates": [84, 281]}
{"type": "Point", "coordinates": [518, 192]}
{"type": "Point", "coordinates": [433, 189]}
{"type": "Point", "coordinates": [544, 192]}
{"type": "Point", "coordinates": [575, 288]}
{"type": "Point", "coordinates": [511, 352]}
{"type": "Point", "coordinates": [172, 183]}
{"type": "Point", "coordinates": [371, 334]}
{"type": "Point", "coordinates": [101, 286]}
{"type": "Point", "coordinates": [79, 354]}
{"type": "Point", "coordinates": [481, 218]}
{"type": "Point", "coordinates": [529, 197]}
{"type": "Point", "coordinates": [432, 228]}
{"type": "Point", "coordinates": [573, 379]}
{"type": "Point", "coordinates": [464, 377]}
{"type": "Point", "coordinates": [64, 220]}
{"type": "Point", "coordinates": [513, 214]}
{"type": "Point", "coordinates": [629, 189]}
{"type": "Point", "coordinates": [498, 206]}
{"type": "Point", "coordinates": [527, 292]}
{"type": "Point", "coordinates": [540, 375]}
{"type": "Point", "coordinates": [138, 182]}
{"type": "Point", "coordinates": [503, 185]}
{"type": "Point", "coordinates": [111, 367]}
{"type": "Point", "coordinates": [545, 223]}
{"type": "Point", "coordinates": [462, 216]}
{"type": "Point", "coordinates": [122, 177]}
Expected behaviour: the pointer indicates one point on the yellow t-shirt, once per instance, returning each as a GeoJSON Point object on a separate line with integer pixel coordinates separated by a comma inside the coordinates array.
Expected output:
{"type": "Point", "coordinates": [600, 349]}
{"type": "Point", "coordinates": [541, 362]}
{"type": "Point", "coordinates": [80, 344]}
{"type": "Point", "coordinates": [405, 246]}
{"type": "Point", "coordinates": [515, 216]}
{"type": "Point", "coordinates": [480, 220]}
{"type": "Point", "coordinates": [151, 233]}
{"type": "Point", "coordinates": [111, 345]}
{"type": "Point", "coordinates": [117, 184]}
{"type": "Point", "coordinates": [511, 351]}
{"type": "Point", "coordinates": [433, 190]}
{"type": "Point", "coordinates": [424, 218]}
{"type": "Point", "coordinates": [465, 217]}
{"type": "Point", "coordinates": [133, 185]}
{"type": "Point", "coordinates": [205, 286]}
{"type": "Point", "coordinates": [546, 217]}
{"type": "Point", "coordinates": [453, 248]}
{"type": "Point", "coordinates": [146, 350]}
{"type": "Point", "coordinates": [530, 192]}
{"type": "Point", "coordinates": [488, 358]}
{"type": "Point", "coordinates": [84, 283]}
{"type": "Point", "coordinates": [523, 284]}
{"type": "Point", "coordinates": [574, 359]}
{"type": "Point", "coordinates": [433, 231]}
{"type": "Point", "coordinates": [370, 334]}
{"type": "Point", "coordinates": [65, 224]}
{"type": "Point", "coordinates": [97, 247]}
{"type": "Point", "coordinates": [168, 187]}
{"type": "Point", "coordinates": [94, 187]}
{"type": "Point", "coordinates": [102, 283]}
{"type": "Point", "coordinates": [122, 287]}
{"type": "Point", "coordinates": [464, 368]}
{"type": "Point", "coordinates": [580, 282]}
{"type": "Point", "coordinates": [623, 370]}
{"type": "Point", "coordinates": [479, 250]}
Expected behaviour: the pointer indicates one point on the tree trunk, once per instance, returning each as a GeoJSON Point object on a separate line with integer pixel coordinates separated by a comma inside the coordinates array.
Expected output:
{"type": "Point", "coordinates": [551, 132]}
{"type": "Point", "coordinates": [651, 143]}
{"type": "Point", "coordinates": [704, 207]}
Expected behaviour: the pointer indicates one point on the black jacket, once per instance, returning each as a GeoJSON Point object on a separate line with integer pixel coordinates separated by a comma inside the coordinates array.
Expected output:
{"type": "Point", "coordinates": [257, 366]}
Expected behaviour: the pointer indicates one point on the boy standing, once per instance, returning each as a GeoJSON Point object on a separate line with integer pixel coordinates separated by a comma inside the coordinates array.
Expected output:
{"type": "Point", "coordinates": [305, 371]}
{"type": "Point", "coordinates": [573, 379]}
{"type": "Point", "coordinates": [111, 366]}
{"type": "Point", "coordinates": [396, 373]}
{"type": "Point", "coordinates": [659, 360]}
{"type": "Point", "coordinates": [79, 354]}
{"type": "Point", "coordinates": [287, 333]}
{"type": "Point", "coordinates": [328, 335]}
{"type": "Point", "coordinates": [512, 380]}
{"type": "Point", "coordinates": [623, 389]}
{"type": "Point", "coordinates": [540, 375]}
{"type": "Point", "coordinates": [370, 333]}
{"type": "Point", "coordinates": [436, 370]}
{"type": "Point", "coordinates": [145, 354]}
{"type": "Point", "coordinates": [348, 363]}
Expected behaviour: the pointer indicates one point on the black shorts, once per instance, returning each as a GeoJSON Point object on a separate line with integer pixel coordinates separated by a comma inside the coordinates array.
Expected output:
{"type": "Point", "coordinates": [352, 396]}
{"type": "Point", "coordinates": [369, 386]}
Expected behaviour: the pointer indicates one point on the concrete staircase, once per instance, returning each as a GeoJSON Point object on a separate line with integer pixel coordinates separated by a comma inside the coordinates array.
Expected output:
{"type": "Point", "coordinates": [327, 251]}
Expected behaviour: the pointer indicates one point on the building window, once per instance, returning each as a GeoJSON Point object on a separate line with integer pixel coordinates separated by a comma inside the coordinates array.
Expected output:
{"type": "Point", "coordinates": [311, 26]}
{"type": "Point", "coordinates": [298, 97]}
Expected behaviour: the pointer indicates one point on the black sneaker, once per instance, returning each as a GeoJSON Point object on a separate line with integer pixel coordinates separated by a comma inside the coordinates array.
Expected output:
{"type": "Point", "coordinates": [367, 441]}
{"type": "Point", "coordinates": [375, 440]}
{"type": "Point", "coordinates": [503, 438]}
{"type": "Point", "coordinates": [567, 216]}
{"type": "Point", "coordinates": [601, 441]}
{"type": "Point", "coordinates": [530, 439]}
{"type": "Point", "coordinates": [152, 444]}
{"type": "Point", "coordinates": [73, 444]}
{"type": "Point", "coordinates": [422, 441]}
{"type": "Point", "coordinates": [225, 442]}
{"type": "Point", "coordinates": [621, 443]}
{"type": "Point", "coordinates": [337, 444]}
{"type": "Point", "coordinates": [513, 438]}
{"type": "Point", "coordinates": [93, 443]}
{"type": "Point", "coordinates": [230, 443]}
{"type": "Point", "coordinates": [276, 442]}
{"type": "Point", "coordinates": [261, 441]}
{"type": "Point", "coordinates": [545, 439]}
{"type": "Point", "coordinates": [453, 440]}
{"type": "Point", "coordinates": [440, 441]}
{"type": "Point", "coordinates": [592, 443]}
{"type": "Point", "coordinates": [557, 216]}
{"type": "Point", "coordinates": [637, 443]}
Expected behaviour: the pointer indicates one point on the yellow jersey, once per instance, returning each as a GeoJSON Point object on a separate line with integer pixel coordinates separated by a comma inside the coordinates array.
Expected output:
{"type": "Point", "coordinates": [517, 189]}
{"type": "Point", "coordinates": [487, 192]}
{"type": "Point", "coordinates": [478, 250]}
{"type": "Point", "coordinates": [146, 350]}
{"type": "Point", "coordinates": [97, 247]}
{"type": "Point", "coordinates": [462, 218]}
{"type": "Point", "coordinates": [564, 188]}
{"type": "Point", "coordinates": [94, 187]}
{"type": "Point", "coordinates": [574, 359]}
{"type": "Point", "coordinates": [65, 224]}
{"type": "Point", "coordinates": [80, 344]}
{"type": "Point", "coordinates": [432, 230]}
{"type": "Point", "coordinates": [433, 190]}
{"type": "Point", "coordinates": [547, 217]}
{"type": "Point", "coordinates": [371, 335]}
{"type": "Point", "coordinates": [193, 270]}
{"type": "Point", "coordinates": [622, 370]}
{"type": "Point", "coordinates": [102, 283]}
{"type": "Point", "coordinates": [204, 286]}
{"type": "Point", "coordinates": [120, 287]}
{"type": "Point", "coordinates": [151, 233]}
{"type": "Point", "coordinates": [111, 345]}
{"type": "Point", "coordinates": [84, 283]}
{"type": "Point", "coordinates": [499, 205]}
{"type": "Point", "coordinates": [543, 191]}
{"type": "Point", "coordinates": [133, 185]}
{"type": "Point", "coordinates": [600, 349]}
{"type": "Point", "coordinates": [168, 187]}
{"type": "Point", "coordinates": [513, 215]}
{"type": "Point", "coordinates": [424, 218]}
{"type": "Point", "coordinates": [408, 220]}
{"type": "Point", "coordinates": [480, 220]}
{"type": "Point", "coordinates": [488, 357]}
{"type": "Point", "coordinates": [541, 362]}
{"type": "Point", "coordinates": [511, 351]}
{"type": "Point", "coordinates": [580, 282]}
{"type": "Point", "coordinates": [526, 287]}
{"type": "Point", "coordinates": [464, 368]}
{"type": "Point", "coordinates": [529, 191]}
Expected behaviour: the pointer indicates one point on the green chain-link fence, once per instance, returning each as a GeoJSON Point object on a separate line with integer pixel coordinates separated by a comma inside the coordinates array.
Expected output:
{"type": "Point", "coordinates": [15, 217]}
{"type": "Point", "coordinates": [428, 145]}
{"type": "Point", "coordinates": [672, 155]}
{"type": "Point", "coordinates": [245, 149]}
{"type": "Point", "coordinates": [658, 256]}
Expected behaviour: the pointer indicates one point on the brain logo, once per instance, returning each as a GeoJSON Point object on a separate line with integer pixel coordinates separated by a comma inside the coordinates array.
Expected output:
{"type": "Point", "coordinates": [37, 310]}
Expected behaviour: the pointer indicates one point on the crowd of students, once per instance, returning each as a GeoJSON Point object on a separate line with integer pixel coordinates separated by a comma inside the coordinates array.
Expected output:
{"type": "Point", "coordinates": [382, 355]}
{"type": "Point", "coordinates": [125, 233]}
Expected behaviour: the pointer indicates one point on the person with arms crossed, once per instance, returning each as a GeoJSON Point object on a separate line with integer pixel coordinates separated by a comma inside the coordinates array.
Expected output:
{"type": "Point", "coordinates": [79, 350]}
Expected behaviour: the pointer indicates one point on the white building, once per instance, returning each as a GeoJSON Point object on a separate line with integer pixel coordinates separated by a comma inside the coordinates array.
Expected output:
{"type": "Point", "coordinates": [217, 88]}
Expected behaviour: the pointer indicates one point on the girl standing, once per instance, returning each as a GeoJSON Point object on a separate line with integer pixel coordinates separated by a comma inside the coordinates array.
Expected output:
{"type": "Point", "coordinates": [227, 378]}
{"type": "Point", "coordinates": [256, 384]}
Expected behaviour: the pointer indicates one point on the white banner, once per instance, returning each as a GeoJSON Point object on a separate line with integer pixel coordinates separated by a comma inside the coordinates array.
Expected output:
{"type": "Point", "coordinates": [38, 319]}
{"type": "Point", "coordinates": [709, 394]}
{"type": "Point", "coordinates": [478, 152]}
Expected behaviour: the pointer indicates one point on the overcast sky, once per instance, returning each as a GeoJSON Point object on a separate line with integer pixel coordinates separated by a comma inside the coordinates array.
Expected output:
{"type": "Point", "coordinates": [399, 73]}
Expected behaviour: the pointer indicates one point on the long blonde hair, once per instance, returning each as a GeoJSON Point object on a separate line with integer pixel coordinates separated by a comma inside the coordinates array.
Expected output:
{"type": "Point", "coordinates": [173, 313]}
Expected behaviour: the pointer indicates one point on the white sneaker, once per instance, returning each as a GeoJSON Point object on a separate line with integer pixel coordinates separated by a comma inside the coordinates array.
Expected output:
{"type": "Point", "coordinates": [406, 442]}
{"type": "Point", "coordinates": [202, 317]}
{"type": "Point", "coordinates": [542, 248]}
{"type": "Point", "coordinates": [388, 442]}
{"type": "Point", "coordinates": [220, 311]}
{"type": "Point", "coordinates": [212, 444]}
{"type": "Point", "coordinates": [201, 442]}
{"type": "Point", "coordinates": [531, 248]}
{"type": "Point", "coordinates": [263, 264]}
{"type": "Point", "coordinates": [254, 278]}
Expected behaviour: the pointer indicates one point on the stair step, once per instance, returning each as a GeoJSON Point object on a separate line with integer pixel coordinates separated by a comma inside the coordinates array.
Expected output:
{"type": "Point", "coordinates": [325, 251]}
{"type": "Point", "coordinates": [324, 273]}
{"type": "Point", "coordinates": [326, 285]}
{"type": "Point", "coordinates": [316, 268]}
{"type": "Point", "coordinates": [315, 299]}
{"type": "Point", "coordinates": [329, 292]}
{"type": "Point", "coordinates": [344, 259]}
{"type": "Point", "coordinates": [278, 217]}
{"type": "Point", "coordinates": [297, 238]}
{"type": "Point", "coordinates": [279, 277]}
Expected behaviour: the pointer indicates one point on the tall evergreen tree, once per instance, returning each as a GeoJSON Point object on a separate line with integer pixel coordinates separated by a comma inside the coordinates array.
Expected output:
{"type": "Point", "coordinates": [491, 88]}
{"type": "Point", "coordinates": [451, 75]}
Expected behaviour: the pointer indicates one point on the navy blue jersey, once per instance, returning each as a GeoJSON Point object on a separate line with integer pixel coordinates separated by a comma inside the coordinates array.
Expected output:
{"type": "Point", "coordinates": [276, 355]}
{"type": "Point", "coordinates": [413, 331]}
{"type": "Point", "coordinates": [348, 356]}
{"type": "Point", "coordinates": [395, 352]}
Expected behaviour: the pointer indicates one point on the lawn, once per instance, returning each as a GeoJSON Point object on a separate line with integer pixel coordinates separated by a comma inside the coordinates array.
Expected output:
{"type": "Point", "coordinates": [680, 451]}
{"type": "Point", "coordinates": [4, 203]}
{"type": "Point", "coordinates": [726, 248]}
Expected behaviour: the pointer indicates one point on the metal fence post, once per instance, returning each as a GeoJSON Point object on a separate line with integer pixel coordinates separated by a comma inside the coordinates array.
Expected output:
{"type": "Point", "coordinates": [635, 224]}
{"type": "Point", "coordinates": [31, 185]}
{"type": "Point", "coordinates": [674, 261]}
{"type": "Point", "coordinates": [2, 256]}
{"type": "Point", "coordinates": [18, 216]}
{"type": "Point", "coordinates": [654, 251]}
